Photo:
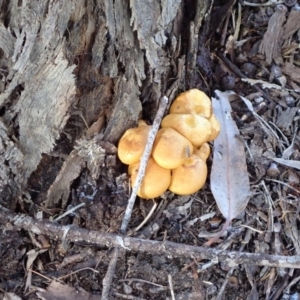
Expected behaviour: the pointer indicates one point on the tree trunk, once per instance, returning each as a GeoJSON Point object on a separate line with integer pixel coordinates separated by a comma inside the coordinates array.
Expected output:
{"type": "Point", "coordinates": [68, 65]}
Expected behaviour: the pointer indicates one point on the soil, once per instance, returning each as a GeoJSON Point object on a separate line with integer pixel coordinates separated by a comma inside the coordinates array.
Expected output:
{"type": "Point", "coordinates": [249, 48]}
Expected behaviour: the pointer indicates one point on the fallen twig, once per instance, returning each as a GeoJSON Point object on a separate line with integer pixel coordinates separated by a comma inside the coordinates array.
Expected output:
{"type": "Point", "coordinates": [171, 286]}
{"type": "Point", "coordinates": [127, 215]}
{"type": "Point", "coordinates": [147, 217]}
{"type": "Point", "coordinates": [69, 211]}
{"type": "Point", "coordinates": [268, 3]}
{"type": "Point", "coordinates": [144, 161]}
{"type": "Point", "coordinates": [76, 234]}
{"type": "Point", "coordinates": [107, 280]}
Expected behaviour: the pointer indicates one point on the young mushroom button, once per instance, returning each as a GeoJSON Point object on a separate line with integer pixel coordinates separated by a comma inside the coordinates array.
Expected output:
{"type": "Point", "coordinates": [191, 176]}
{"type": "Point", "coordinates": [192, 102]}
{"type": "Point", "coordinates": [132, 143]}
{"type": "Point", "coordinates": [215, 127]}
{"type": "Point", "coordinates": [195, 128]}
{"type": "Point", "coordinates": [155, 182]}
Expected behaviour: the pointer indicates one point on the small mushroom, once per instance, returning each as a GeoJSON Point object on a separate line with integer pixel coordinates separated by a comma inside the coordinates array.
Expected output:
{"type": "Point", "coordinates": [273, 170]}
{"type": "Point", "coordinates": [215, 128]}
{"type": "Point", "coordinates": [203, 152]}
{"type": "Point", "coordinates": [189, 177]}
{"type": "Point", "coordinates": [192, 102]}
{"type": "Point", "coordinates": [155, 182]}
{"type": "Point", "coordinates": [132, 144]}
{"type": "Point", "coordinates": [195, 128]}
{"type": "Point", "coordinates": [170, 148]}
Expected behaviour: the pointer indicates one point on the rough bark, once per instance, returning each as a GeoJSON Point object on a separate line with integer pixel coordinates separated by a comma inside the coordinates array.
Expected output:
{"type": "Point", "coordinates": [104, 58]}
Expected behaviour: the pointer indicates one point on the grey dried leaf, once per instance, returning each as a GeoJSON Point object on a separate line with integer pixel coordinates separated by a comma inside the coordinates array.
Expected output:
{"type": "Point", "coordinates": [289, 163]}
{"type": "Point", "coordinates": [229, 177]}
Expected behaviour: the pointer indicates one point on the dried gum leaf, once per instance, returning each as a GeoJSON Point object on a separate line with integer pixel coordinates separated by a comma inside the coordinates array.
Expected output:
{"type": "Point", "coordinates": [289, 163]}
{"type": "Point", "coordinates": [229, 177]}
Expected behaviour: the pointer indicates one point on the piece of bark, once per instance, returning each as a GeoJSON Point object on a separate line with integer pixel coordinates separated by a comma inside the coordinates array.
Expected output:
{"type": "Point", "coordinates": [40, 67]}
{"type": "Point", "coordinates": [127, 110]}
{"type": "Point", "coordinates": [272, 40]}
{"type": "Point", "coordinates": [291, 26]}
{"type": "Point", "coordinates": [100, 42]}
{"type": "Point", "coordinates": [286, 118]}
{"type": "Point", "coordinates": [292, 71]}
{"type": "Point", "coordinates": [146, 45]}
{"type": "Point", "coordinates": [60, 189]}
{"type": "Point", "coordinates": [11, 161]}
{"type": "Point", "coordinates": [40, 124]}
{"type": "Point", "coordinates": [150, 21]}
{"type": "Point", "coordinates": [196, 40]}
{"type": "Point", "coordinates": [87, 152]}
{"type": "Point", "coordinates": [58, 291]}
{"type": "Point", "coordinates": [7, 41]}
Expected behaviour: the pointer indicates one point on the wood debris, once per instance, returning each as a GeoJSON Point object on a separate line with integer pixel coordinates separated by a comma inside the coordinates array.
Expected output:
{"type": "Point", "coordinates": [272, 40]}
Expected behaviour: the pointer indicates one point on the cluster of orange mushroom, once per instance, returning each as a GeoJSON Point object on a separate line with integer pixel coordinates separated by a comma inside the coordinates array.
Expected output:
{"type": "Point", "coordinates": [180, 150]}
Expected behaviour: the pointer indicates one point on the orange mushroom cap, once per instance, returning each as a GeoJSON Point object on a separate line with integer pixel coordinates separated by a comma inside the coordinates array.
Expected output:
{"type": "Point", "coordinates": [215, 128]}
{"type": "Point", "coordinates": [189, 177]}
{"type": "Point", "coordinates": [170, 148]}
{"type": "Point", "coordinates": [155, 182]}
{"type": "Point", "coordinates": [192, 101]}
{"type": "Point", "coordinates": [133, 142]}
{"type": "Point", "coordinates": [195, 128]}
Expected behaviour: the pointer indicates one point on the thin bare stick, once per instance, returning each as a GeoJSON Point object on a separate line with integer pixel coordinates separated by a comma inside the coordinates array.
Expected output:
{"type": "Point", "coordinates": [72, 273]}
{"type": "Point", "coordinates": [129, 297]}
{"type": "Point", "coordinates": [69, 212]}
{"type": "Point", "coordinates": [171, 286]}
{"type": "Point", "coordinates": [251, 228]}
{"type": "Point", "coordinates": [294, 281]}
{"type": "Point", "coordinates": [144, 161]}
{"type": "Point", "coordinates": [268, 3]}
{"type": "Point", "coordinates": [283, 183]}
{"type": "Point", "coordinates": [221, 292]}
{"type": "Point", "coordinates": [140, 280]}
{"type": "Point", "coordinates": [147, 217]}
{"type": "Point", "coordinates": [238, 23]}
{"type": "Point", "coordinates": [39, 274]}
{"type": "Point", "coordinates": [107, 280]}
